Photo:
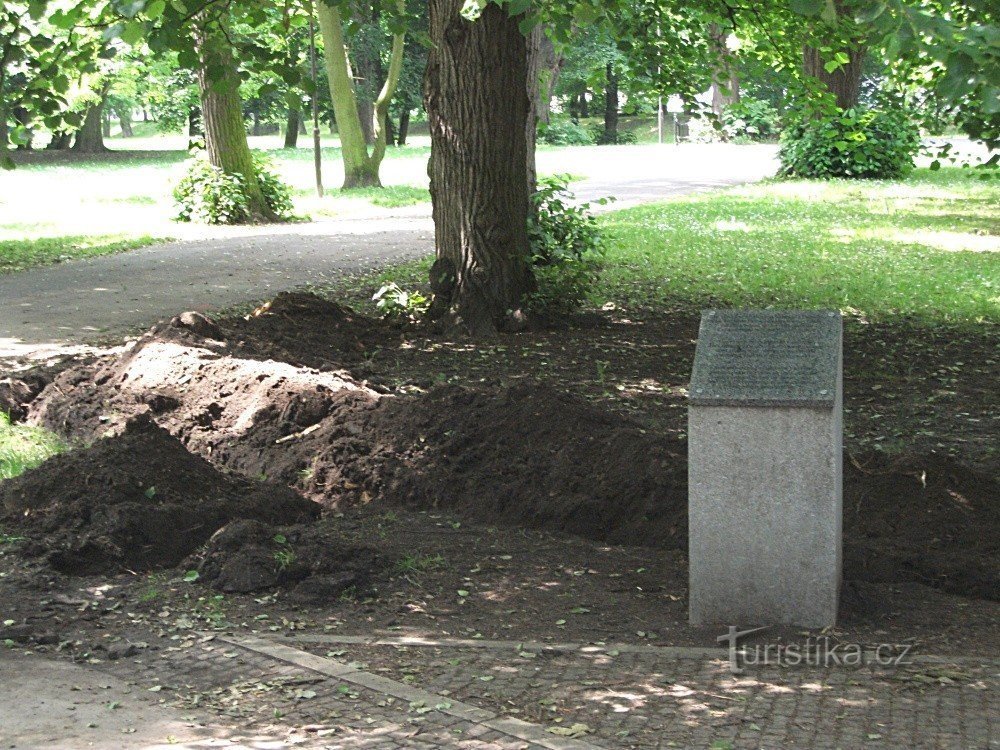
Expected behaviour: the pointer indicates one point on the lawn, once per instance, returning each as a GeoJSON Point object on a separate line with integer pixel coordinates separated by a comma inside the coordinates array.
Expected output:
{"type": "Point", "coordinates": [23, 447]}
{"type": "Point", "coordinates": [927, 247]}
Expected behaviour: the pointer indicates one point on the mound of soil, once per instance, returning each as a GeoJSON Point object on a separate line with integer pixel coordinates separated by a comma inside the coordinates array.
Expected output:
{"type": "Point", "coordinates": [313, 563]}
{"type": "Point", "coordinates": [137, 501]}
{"type": "Point", "coordinates": [926, 519]}
{"type": "Point", "coordinates": [526, 454]}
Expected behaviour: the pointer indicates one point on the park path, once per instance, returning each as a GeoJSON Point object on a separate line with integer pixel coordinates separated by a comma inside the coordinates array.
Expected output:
{"type": "Point", "coordinates": [56, 307]}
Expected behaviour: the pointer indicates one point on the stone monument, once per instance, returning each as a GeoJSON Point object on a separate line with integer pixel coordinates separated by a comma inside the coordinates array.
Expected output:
{"type": "Point", "coordinates": [765, 442]}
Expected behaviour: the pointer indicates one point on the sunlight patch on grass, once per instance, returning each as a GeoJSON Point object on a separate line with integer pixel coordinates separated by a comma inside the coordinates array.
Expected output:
{"type": "Point", "coordinates": [23, 447]}
{"type": "Point", "coordinates": [923, 247]}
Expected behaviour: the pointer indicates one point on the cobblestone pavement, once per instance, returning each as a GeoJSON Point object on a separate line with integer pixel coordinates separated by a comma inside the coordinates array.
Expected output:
{"type": "Point", "coordinates": [343, 692]}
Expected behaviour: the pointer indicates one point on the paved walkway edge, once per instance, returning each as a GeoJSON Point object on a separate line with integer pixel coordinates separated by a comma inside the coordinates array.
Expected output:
{"type": "Point", "coordinates": [517, 728]}
{"type": "Point", "coordinates": [674, 652]}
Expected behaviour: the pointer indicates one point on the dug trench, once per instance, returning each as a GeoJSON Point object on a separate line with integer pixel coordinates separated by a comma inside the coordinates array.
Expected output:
{"type": "Point", "coordinates": [205, 425]}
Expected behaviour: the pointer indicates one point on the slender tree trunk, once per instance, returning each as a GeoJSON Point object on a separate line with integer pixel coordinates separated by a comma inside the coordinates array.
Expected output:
{"type": "Point", "coordinates": [196, 133]}
{"type": "Point", "coordinates": [390, 132]}
{"type": "Point", "coordinates": [475, 87]}
{"type": "Point", "coordinates": [610, 104]}
{"type": "Point", "coordinates": [361, 168]}
{"type": "Point", "coordinates": [106, 125]}
{"type": "Point", "coordinates": [59, 141]}
{"type": "Point", "coordinates": [292, 127]}
{"type": "Point", "coordinates": [366, 116]}
{"type": "Point", "coordinates": [222, 118]}
{"type": "Point", "coordinates": [90, 136]}
{"type": "Point", "coordinates": [725, 79]}
{"type": "Point", "coordinates": [845, 82]}
{"type": "Point", "coordinates": [584, 105]}
{"type": "Point", "coordinates": [404, 127]}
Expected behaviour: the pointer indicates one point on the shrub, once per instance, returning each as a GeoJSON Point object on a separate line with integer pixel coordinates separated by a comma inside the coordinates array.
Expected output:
{"type": "Point", "coordinates": [750, 119]}
{"type": "Point", "coordinates": [564, 133]}
{"type": "Point", "coordinates": [566, 249]}
{"type": "Point", "coordinates": [599, 135]}
{"type": "Point", "coordinates": [208, 195]}
{"type": "Point", "coordinates": [876, 144]}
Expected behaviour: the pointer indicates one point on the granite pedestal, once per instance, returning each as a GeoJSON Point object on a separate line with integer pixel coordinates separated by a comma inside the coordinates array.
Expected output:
{"type": "Point", "coordinates": [764, 456]}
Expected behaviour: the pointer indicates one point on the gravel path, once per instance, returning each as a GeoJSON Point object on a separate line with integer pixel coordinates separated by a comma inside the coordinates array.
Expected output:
{"type": "Point", "coordinates": [54, 307]}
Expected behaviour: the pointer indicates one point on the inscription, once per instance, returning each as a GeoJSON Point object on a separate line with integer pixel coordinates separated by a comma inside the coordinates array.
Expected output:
{"type": "Point", "coordinates": [766, 357]}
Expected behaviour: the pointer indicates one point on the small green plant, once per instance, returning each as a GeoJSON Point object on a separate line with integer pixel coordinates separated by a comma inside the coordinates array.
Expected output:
{"type": "Point", "coordinates": [414, 563]}
{"type": "Point", "coordinates": [566, 248]}
{"type": "Point", "coordinates": [395, 302]}
{"type": "Point", "coordinates": [284, 555]}
{"type": "Point", "coordinates": [564, 133]}
{"type": "Point", "coordinates": [600, 136]}
{"type": "Point", "coordinates": [874, 144]}
{"type": "Point", "coordinates": [209, 195]}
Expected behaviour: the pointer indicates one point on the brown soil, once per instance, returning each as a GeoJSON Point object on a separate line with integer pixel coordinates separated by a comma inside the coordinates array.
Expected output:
{"type": "Point", "coordinates": [518, 452]}
{"type": "Point", "coordinates": [136, 501]}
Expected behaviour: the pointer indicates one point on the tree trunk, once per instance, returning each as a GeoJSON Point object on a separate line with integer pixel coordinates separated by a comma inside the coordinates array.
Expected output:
{"type": "Point", "coordinates": [540, 63]}
{"type": "Point", "coordinates": [106, 125]}
{"type": "Point", "coordinates": [475, 87]}
{"type": "Point", "coordinates": [361, 168]}
{"type": "Point", "coordinates": [196, 133]}
{"type": "Point", "coordinates": [222, 117]}
{"type": "Point", "coordinates": [292, 127]}
{"type": "Point", "coordinates": [90, 136]}
{"type": "Point", "coordinates": [584, 105]}
{"type": "Point", "coordinates": [610, 104]}
{"type": "Point", "coordinates": [366, 116]}
{"type": "Point", "coordinates": [59, 141]}
{"type": "Point", "coordinates": [725, 80]}
{"type": "Point", "coordinates": [404, 127]}
{"type": "Point", "coordinates": [845, 82]}
{"type": "Point", "coordinates": [390, 132]}
{"type": "Point", "coordinates": [125, 122]}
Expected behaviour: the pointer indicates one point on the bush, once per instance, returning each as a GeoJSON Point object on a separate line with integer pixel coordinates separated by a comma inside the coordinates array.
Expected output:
{"type": "Point", "coordinates": [875, 144]}
{"type": "Point", "coordinates": [564, 133]}
{"type": "Point", "coordinates": [566, 249]}
{"type": "Point", "coordinates": [392, 301]}
{"type": "Point", "coordinates": [208, 195]}
{"type": "Point", "coordinates": [599, 135]}
{"type": "Point", "coordinates": [750, 119]}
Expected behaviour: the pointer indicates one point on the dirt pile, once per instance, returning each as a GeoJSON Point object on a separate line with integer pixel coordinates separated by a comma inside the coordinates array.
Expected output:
{"type": "Point", "coordinates": [927, 519]}
{"type": "Point", "coordinates": [136, 501]}
{"type": "Point", "coordinates": [527, 454]}
{"type": "Point", "coordinates": [314, 563]}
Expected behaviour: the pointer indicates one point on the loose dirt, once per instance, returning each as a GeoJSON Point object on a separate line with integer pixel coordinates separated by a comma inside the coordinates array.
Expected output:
{"type": "Point", "coordinates": [271, 396]}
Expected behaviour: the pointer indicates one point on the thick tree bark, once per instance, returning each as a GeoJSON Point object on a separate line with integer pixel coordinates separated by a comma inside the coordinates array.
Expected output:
{"type": "Point", "coordinates": [845, 82]}
{"type": "Point", "coordinates": [610, 104]}
{"type": "Point", "coordinates": [361, 168]}
{"type": "Point", "coordinates": [222, 118]}
{"type": "Point", "coordinates": [90, 136]}
{"type": "Point", "coordinates": [292, 127]}
{"type": "Point", "coordinates": [542, 63]}
{"type": "Point", "coordinates": [475, 91]}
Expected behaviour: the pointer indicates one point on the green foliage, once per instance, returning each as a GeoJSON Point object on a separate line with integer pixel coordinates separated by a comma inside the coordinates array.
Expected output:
{"type": "Point", "coordinates": [209, 195]}
{"type": "Point", "coordinates": [564, 133]}
{"type": "Point", "coordinates": [601, 136]}
{"type": "Point", "coordinates": [878, 144]}
{"type": "Point", "coordinates": [395, 302]}
{"type": "Point", "coordinates": [751, 120]}
{"type": "Point", "coordinates": [566, 248]}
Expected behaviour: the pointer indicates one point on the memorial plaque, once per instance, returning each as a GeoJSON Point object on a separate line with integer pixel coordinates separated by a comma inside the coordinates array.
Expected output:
{"type": "Point", "coordinates": [764, 469]}
{"type": "Point", "coordinates": [766, 357]}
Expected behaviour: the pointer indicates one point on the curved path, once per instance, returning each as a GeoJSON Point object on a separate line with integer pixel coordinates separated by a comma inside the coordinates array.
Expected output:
{"type": "Point", "coordinates": [56, 307]}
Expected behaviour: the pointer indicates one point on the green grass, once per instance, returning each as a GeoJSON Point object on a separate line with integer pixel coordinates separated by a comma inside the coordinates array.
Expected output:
{"type": "Point", "coordinates": [926, 247]}
{"type": "Point", "coordinates": [23, 447]}
{"type": "Point", "coordinates": [390, 196]}
{"type": "Point", "coordinates": [18, 255]}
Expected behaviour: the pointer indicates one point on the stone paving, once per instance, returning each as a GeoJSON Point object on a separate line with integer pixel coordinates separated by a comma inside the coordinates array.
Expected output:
{"type": "Point", "coordinates": [344, 692]}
